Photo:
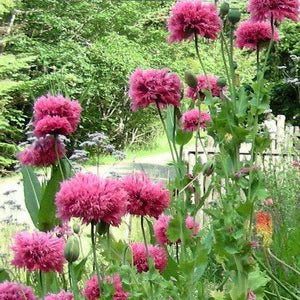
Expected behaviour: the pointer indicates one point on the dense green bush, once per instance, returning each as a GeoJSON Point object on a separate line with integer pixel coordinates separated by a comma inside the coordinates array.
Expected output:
{"type": "Point", "coordinates": [285, 93]}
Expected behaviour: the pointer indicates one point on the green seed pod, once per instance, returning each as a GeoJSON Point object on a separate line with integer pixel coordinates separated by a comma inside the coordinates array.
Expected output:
{"type": "Point", "coordinates": [102, 228]}
{"type": "Point", "coordinates": [190, 79]}
{"type": "Point", "coordinates": [76, 228]}
{"type": "Point", "coordinates": [221, 82]}
{"type": "Point", "coordinates": [224, 9]}
{"type": "Point", "coordinates": [71, 251]}
{"type": "Point", "coordinates": [234, 16]}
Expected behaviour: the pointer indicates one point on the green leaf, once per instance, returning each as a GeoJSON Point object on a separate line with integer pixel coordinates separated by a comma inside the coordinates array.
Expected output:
{"type": "Point", "coordinates": [177, 230]}
{"type": "Point", "coordinates": [171, 270]}
{"type": "Point", "coordinates": [80, 268]}
{"type": "Point", "coordinates": [257, 280]}
{"type": "Point", "coordinates": [262, 142]}
{"type": "Point", "coordinates": [170, 123]}
{"type": "Point", "coordinates": [32, 193]}
{"type": "Point", "coordinates": [173, 231]}
{"type": "Point", "coordinates": [150, 226]}
{"type": "Point", "coordinates": [4, 275]}
{"type": "Point", "coordinates": [46, 216]}
{"type": "Point", "coordinates": [230, 250]}
{"type": "Point", "coordinates": [242, 103]}
{"type": "Point", "coordinates": [182, 138]}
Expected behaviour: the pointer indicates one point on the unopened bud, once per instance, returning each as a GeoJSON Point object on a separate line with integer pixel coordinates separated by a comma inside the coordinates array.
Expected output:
{"type": "Point", "coordinates": [251, 260]}
{"type": "Point", "coordinates": [221, 82]}
{"type": "Point", "coordinates": [71, 251]}
{"type": "Point", "coordinates": [234, 16]}
{"type": "Point", "coordinates": [208, 169]}
{"type": "Point", "coordinates": [102, 228]}
{"type": "Point", "coordinates": [76, 228]}
{"type": "Point", "coordinates": [190, 79]}
{"type": "Point", "coordinates": [224, 9]}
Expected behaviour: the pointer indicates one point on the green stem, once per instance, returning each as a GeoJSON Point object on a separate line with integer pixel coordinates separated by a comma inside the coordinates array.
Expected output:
{"type": "Point", "coordinates": [269, 266]}
{"type": "Point", "coordinates": [67, 159]}
{"type": "Point", "coordinates": [177, 252]}
{"type": "Point", "coordinates": [73, 281]}
{"type": "Point", "coordinates": [252, 161]}
{"type": "Point", "coordinates": [147, 253]}
{"type": "Point", "coordinates": [270, 45]}
{"type": "Point", "coordinates": [174, 132]}
{"type": "Point", "coordinates": [272, 294]}
{"type": "Point", "coordinates": [204, 149]}
{"type": "Point", "coordinates": [166, 132]}
{"type": "Point", "coordinates": [95, 254]}
{"type": "Point", "coordinates": [43, 285]}
{"type": "Point", "coordinates": [201, 62]}
{"type": "Point", "coordinates": [59, 164]}
{"type": "Point", "coordinates": [282, 262]}
{"type": "Point", "coordinates": [108, 243]}
{"type": "Point", "coordinates": [225, 63]}
{"type": "Point", "coordinates": [270, 273]}
{"type": "Point", "coordinates": [257, 60]}
{"type": "Point", "coordinates": [220, 286]}
{"type": "Point", "coordinates": [230, 60]}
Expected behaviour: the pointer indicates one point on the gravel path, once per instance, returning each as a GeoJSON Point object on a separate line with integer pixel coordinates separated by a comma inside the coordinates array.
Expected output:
{"type": "Point", "coordinates": [12, 207]}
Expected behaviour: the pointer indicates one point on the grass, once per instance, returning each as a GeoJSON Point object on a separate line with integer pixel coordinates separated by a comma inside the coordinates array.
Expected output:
{"type": "Point", "coordinates": [159, 145]}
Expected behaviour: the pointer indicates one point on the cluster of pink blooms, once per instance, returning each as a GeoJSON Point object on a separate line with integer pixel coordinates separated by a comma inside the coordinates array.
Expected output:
{"type": "Point", "coordinates": [205, 83]}
{"type": "Point", "coordinates": [190, 18]}
{"type": "Point", "coordinates": [140, 260]}
{"type": "Point", "coordinates": [43, 152]}
{"type": "Point", "coordinates": [38, 251]}
{"type": "Point", "coordinates": [194, 119]}
{"type": "Point", "coordinates": [63, 295]}
{"type": "Point", "coordinates": [146, 198]}
{"type": "Point", "coordinates": [254, 35]}
{"type": "Point", "coordinates": [92, 292]}
{"type": "Point", "coordinates": [92, 199]}
{"type": "Point", "coordinates": [154, 86]}
{"type": "Point", "coordinates": [15, 291]}
{"type": "Point", "coordinates": [53, 115]}
{"type": "Point", "coordinates": [62, 230]}
{"type": "Point", "coordinates": [279, 10]}
{"type": "Point", "coordinates": [161, 226]}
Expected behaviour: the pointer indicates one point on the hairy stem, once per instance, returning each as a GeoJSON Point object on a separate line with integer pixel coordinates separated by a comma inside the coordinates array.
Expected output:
{"type": "Point", "coordinates": [147, 253]}
{"type": "Point", "coordinates": [95, 263]}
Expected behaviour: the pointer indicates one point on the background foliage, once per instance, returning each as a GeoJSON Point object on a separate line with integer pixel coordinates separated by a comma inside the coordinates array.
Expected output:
{"type": "Point", "coordinates": [87, 50]}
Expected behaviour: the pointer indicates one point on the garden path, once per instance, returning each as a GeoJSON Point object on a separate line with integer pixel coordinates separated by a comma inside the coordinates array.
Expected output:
{"type": "Point", "coordinates": [12, 207]}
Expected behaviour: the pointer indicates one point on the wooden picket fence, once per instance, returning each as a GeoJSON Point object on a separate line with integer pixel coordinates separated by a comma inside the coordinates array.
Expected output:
{"type": "Point", "coordinates": [284, 139]}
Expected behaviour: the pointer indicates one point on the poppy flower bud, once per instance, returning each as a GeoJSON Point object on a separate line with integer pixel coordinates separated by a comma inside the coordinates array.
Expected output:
{"type": "Point", "coordinates": [71, 251]}
{"type": "Point", "coordinates": [102, 228]}
{"type": "Point", "coordinates": [234, 16]}
{"type": "Point", "coordinates": [224, 9]}
{"type": "Point", "coordinates": [221, 82]}
{"type": "Point", "coordinates": [190, 79]}
{"type": "Point", "coordinates": [76, 228]}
